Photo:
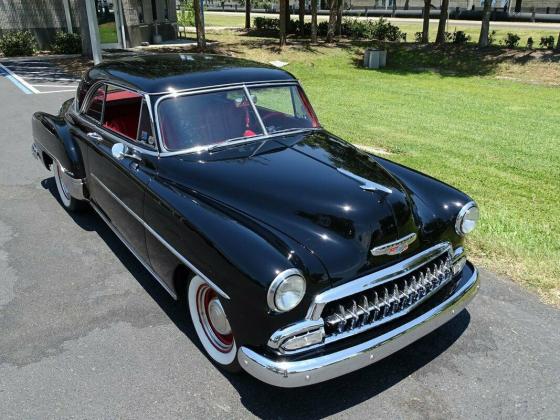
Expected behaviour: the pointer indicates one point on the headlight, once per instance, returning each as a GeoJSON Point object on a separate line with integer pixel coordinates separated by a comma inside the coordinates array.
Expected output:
{"type": "Point", "coordinates": [467, 218]}
{"type": "Point", "coordinates": [286, 291]}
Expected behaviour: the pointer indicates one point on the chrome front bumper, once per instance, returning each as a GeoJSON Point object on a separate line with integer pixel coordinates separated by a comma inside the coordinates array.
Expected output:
{"type": "Point", "coordinates": [291, 374]}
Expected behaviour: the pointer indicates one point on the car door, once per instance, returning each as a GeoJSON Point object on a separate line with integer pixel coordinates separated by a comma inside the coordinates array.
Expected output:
{"type": "Point", "coordinates": [117, 184]}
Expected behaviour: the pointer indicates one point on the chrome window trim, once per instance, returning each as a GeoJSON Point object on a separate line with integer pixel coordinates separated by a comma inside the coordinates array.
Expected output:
{"type": "Point", "coordinates": [139, 146]}
{"type": "Point", "coordinates": [159, 238]}
{"type": "Point", "coordinates": [374, 279]}
{"type": "Point", "coordinates": [270, 295]}
{"type": "Point", "coordinates": [219, 88]}
{"type": "Point", "coordinates": [240, 84]}
{"type": "Point", "coordinates": [114, 137]}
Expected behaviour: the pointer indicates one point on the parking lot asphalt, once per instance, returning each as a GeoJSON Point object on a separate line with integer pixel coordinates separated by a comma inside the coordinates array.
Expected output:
{"type": "Point", "coordinates": [85, 332]}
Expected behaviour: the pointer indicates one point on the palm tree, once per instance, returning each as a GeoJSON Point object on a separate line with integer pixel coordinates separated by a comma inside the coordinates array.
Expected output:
{"type": "Point", "coordinates": [426, 23]}
{"type": "Point", "coordinates": [485, 27]}
{"type": "Point", "coordinates": [247, 14]}
{"type": "Point", "coordinates": [301, 10]}
{"type": "Point", "coordinates": [283, 22]}
{"type": "Point", "coordinates": [332, 20]}
{"type": "Point", "coordinates": [314, 21]}
{"type": "Point", "coordinates": [440, 38]}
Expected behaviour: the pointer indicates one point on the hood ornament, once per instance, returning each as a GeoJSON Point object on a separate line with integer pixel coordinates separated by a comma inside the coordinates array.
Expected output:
{"type": "Point", "coordinates": [367, 185]}
{"type": "Point", "coordinates": [395, 247]}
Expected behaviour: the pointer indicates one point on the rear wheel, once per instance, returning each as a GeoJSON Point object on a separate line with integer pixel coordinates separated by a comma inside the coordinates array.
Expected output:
{"type": "Point", "coordinates": [211, 324]}
{"type": "Point", "coordinates": [70, 203]}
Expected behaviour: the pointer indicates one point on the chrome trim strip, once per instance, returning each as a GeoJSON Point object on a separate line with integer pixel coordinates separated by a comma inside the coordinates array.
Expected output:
{"type": "Point", "coordinates": [374, 279]}
{"type": "Point", "coordinates": [382, 249]}
{"type": "Point", "coordinates": [367, 185]}
{"type": "Point", "coordinates": [163, 241]}
{"type": "Point", "coordinates": [290, 374]}
{"type": "Point", "coordinates": [458, 253]}
{"type": "Point", "coordinates": [131, 249]}
{"type": "Point", "coordinates": [229, 85]}
{"type": "Point", "coordinates": [255, 110]}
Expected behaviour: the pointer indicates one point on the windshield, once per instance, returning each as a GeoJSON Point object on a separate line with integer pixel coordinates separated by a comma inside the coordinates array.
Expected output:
{"type": "Point", "coordinates": [206, 119]}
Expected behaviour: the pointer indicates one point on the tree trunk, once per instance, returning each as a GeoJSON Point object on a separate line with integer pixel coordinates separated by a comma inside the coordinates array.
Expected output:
{"type": "Point", "coordinates": [198, 22]}
{"type": "Point", "coordinates": [301, 10]}
{"type": "Point", "coordinates": [485, 26]}
{"type": "Point", "coordinates": [440, 38]}
{"type": "Point", "coordinates": [339, 17]}
{"type": "Point", "coordinates": [283, 23]}
{"type": "Point", "coordinates": [288, 17]}
{"type": "Point", "coordinates": [518, 6]}
{"type": "Point", "coordinates": [406, 4]}
{"type": "Point", "coordinates": [426, 23]}
{"type": "Point", "coordinates": [314, 21]}
{"type": "Point", "coordinates": [332, 20]}
{"type": "Point", "coordinates": [84, 32]}
{"type": "Point", "coordinates": [558, 42]}
{"type": "Point", "coordinates": [394, 10]}
{"type": "Point", "coordinates": [247, 14]}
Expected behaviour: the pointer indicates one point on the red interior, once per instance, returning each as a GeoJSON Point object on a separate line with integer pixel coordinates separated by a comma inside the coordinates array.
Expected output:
{"type": "Point", "coordinates": [122, 111]}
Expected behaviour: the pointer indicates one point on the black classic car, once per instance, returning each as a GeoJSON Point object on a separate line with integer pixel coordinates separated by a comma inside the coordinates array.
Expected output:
{"type": "Point", "coordinates": [298, 256]}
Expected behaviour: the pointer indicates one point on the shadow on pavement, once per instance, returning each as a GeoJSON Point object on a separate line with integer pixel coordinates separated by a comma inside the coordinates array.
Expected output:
{"type": "Point", "coordinates": [266, 401]}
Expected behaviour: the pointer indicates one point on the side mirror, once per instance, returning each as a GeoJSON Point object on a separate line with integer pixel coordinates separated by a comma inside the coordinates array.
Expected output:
{"type": "Point", "coordinates": [118, 151]}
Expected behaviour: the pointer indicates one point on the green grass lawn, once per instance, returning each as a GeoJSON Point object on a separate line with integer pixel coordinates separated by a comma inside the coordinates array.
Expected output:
{"type": "Point", "coordinates": [498, 140]}
{"type": "Point", "coordinates": [108, 33]}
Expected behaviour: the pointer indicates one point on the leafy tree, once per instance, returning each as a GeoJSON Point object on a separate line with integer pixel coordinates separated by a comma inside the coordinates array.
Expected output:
{"type": "Point", "coordinates": [185, 17]}
{"type": "Point", "coordinates": [440, 38]}
{"type": "Point", "coordinates": [485, 26]}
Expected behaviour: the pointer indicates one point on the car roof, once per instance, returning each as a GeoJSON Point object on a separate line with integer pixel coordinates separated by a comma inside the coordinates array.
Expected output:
{"type": "Point", "coordinates": [160, 73]}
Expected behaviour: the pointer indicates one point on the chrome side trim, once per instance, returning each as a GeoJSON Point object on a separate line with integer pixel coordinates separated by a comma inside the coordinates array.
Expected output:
{"type": "Point", "coordinates": [75, 186]}
{"type": "Point", "coordinates": [290, 374]}
{"type": "Point", "coordinates": [367, 185]}
{"type": "Point", "coordinates": [384, 249]}
{"type": "Point", "coordinates": [131, 249]}
{"type": "Point", "coordinates": [159, 238]}
{"type": "Point", "coordinates": [379, 277]}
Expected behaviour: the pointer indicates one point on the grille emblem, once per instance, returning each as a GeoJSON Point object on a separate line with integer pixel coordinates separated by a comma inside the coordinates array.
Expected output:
{"type": "Point", "coordinates": [394, 248]}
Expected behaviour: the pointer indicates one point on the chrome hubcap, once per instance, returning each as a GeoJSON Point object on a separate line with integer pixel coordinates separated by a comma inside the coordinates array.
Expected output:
{"type": "Point", "coordinates": [218, 317]}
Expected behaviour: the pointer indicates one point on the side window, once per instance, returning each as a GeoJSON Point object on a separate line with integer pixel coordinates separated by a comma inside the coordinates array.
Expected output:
{"type": "Point", "coordinates": [122, 111]}
{"type": "Point", "coordinates": [145, 133]}
{"type": "Point", "coordinates": [95, 107]}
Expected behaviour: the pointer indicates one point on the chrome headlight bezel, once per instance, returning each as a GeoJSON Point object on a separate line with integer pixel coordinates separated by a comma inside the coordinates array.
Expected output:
{"type": "Point", "coordinates": [290, 275]}
{"type": "Point", "coordinates": [465, 210]}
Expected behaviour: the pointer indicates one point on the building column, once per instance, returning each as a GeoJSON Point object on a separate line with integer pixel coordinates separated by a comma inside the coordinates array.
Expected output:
{"type": "Point", "coordinates": [93, 31]}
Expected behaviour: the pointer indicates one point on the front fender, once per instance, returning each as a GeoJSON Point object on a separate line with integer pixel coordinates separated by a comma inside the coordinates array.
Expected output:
{"type": "Point", "coordinates": [240, 255]}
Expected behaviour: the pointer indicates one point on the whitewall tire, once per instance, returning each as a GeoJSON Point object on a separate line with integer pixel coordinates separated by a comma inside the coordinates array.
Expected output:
{"type": "Point", "coordinates": [211, 324]}
{"type": "Point", "coordinates": [69, 202]}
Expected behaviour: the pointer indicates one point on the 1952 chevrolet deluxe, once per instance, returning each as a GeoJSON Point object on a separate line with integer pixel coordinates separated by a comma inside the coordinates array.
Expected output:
{"type": "Point", "coordinates": [299, 257]}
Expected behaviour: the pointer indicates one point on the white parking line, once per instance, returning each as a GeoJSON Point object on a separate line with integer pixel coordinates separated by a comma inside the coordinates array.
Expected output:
{"type": "Point", "coordinates": [57, 91]}
{"type": "Point", "coordinates": [19, 79]}
{"type": "Point", "coordinates": [56, 86]}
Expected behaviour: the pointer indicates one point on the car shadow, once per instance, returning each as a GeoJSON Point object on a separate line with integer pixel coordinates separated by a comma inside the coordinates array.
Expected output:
{"type": "Point", "coordinates": [265, 401]}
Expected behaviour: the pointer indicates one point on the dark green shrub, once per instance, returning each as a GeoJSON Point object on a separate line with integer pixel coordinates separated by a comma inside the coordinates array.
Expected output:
{"type": "Point", "coordinates": [530, 43]}
{"type": "Point", "coordinates": [459, 37]}
{"type": "Point", "coordinates": [64, 43]}
{"type": "Point", "coordinates": [492, 38]}
{"type": "Point", "coordinates": [547, 42]}
{"type": "Point", "coordinates": [418, 37]}
{"type": "Point", "coordinates": [512, 40]}
{"type": "Point", "coordinates": [17, 43]}
{"type": "Point", "coordinates": [385, 31]}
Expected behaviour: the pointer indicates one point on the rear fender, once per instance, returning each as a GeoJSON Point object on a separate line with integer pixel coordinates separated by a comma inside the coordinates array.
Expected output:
{"type": "Point", "coordinates": [52, 135]}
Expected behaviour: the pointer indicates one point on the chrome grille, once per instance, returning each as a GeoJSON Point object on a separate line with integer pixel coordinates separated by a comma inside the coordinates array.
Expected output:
{"type": "Point", "coordinates": [387, 301]}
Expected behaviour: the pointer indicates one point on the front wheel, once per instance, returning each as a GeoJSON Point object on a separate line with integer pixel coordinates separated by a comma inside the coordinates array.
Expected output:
{"type": "Point", "coordinates": [211, 324]}
{"type": "Point", "coordinates": [70, 203]}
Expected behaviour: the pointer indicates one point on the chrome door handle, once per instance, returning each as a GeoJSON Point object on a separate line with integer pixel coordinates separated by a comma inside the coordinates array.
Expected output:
{"type": "Point", "coordinates": [95, 136]}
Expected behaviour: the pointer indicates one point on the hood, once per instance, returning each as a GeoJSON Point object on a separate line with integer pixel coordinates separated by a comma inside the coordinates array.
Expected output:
{"type": "Point", "coordinates": [307, 186]}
